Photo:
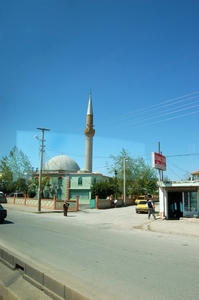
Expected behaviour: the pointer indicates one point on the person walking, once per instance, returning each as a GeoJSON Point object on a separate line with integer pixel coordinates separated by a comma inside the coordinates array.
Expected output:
{"type": "Point", "coordinates": [150, 209]}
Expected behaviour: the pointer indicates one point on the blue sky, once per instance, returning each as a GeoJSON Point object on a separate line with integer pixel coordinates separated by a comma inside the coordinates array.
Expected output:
{"type": "Point", "coordinates": [139, 58]}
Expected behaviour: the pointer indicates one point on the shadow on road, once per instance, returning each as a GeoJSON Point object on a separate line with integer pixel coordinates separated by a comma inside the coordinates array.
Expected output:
{"type": "Point", "coordinates": [7, 222]}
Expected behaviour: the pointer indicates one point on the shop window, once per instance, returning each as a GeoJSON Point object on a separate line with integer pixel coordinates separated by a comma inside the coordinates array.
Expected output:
{"type": "Point", "coordinates": [190, 201]}
{"type": "Point", "coordinates": [193, 201]}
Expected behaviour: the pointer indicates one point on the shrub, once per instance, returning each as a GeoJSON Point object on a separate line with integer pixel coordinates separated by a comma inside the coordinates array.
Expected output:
{"type": "Point", "coordinates": [31, 194]}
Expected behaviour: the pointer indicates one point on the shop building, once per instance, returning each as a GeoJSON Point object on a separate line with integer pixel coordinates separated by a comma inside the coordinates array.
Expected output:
{"type": "Point", "coordinates": [179, 198]}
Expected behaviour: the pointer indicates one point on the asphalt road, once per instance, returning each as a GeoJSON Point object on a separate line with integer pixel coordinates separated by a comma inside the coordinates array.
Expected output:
{"type": "Point", "coordinates": [103, 261]}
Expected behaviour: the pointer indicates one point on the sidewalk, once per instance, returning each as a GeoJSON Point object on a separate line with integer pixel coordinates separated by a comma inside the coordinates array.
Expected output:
{"type": "Point", "coordinates": [124, 217]}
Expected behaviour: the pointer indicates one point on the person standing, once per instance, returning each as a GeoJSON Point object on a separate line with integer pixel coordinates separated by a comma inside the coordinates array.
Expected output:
{"type": "Point", "coordinates": [150, 209]}
{"type": "Point", "coordinates": [65, 207]}
{"type": "Point", "coordinates": [115, 203]}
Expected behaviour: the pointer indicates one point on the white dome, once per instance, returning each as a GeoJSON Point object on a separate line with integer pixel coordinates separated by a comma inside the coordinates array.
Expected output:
{"type": "Point", "coordinates": [61, 163]}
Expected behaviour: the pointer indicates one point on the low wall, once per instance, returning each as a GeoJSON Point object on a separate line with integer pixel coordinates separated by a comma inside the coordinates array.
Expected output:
{"type": "Point", "coordinates": [108, 203]}
{"type": "Point", "coordinates": [53, 204]}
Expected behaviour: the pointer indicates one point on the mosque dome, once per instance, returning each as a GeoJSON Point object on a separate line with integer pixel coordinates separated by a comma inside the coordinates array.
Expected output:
{"type": "Point", "coordinates": [61, 163]}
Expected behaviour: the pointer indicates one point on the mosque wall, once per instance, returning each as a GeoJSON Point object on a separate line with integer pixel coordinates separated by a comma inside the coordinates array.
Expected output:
{"type": "Point", "coordinates": [67, 186]}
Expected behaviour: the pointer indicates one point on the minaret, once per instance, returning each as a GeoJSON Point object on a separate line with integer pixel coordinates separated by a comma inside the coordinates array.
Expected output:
{"type": "Point", "coordinates": [89, 133]}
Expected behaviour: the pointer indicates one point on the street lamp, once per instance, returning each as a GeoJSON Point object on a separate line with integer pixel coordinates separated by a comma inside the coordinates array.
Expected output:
{"type": "Point", "coordinates": [41, 164]}
{"type": "Point", "coordinates": [124, 181]}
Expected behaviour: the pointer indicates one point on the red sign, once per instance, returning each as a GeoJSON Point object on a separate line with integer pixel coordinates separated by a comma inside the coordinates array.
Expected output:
{"type": "Point", "coordinates": [158, 161]}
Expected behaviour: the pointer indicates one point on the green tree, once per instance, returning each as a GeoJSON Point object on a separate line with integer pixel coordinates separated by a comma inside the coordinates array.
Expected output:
{"type": "Point", "coordinates": [15, 168]}
{"type": "Point", "coordinates": [140, 177]}
{"type": "Point", "coordinates": [103, 189]}
{"type": "Point", "coordinates": [6, 180]}
{"type": "Point", "coordinates": [34, 184]}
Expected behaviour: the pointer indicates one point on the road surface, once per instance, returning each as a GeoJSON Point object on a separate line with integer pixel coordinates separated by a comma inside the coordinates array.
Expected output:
{"type": "Point", "coordinates": [102, 261]}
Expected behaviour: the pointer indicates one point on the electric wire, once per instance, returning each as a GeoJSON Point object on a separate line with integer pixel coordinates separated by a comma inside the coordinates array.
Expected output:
{"type": "Point", "coordinates": [158, 121]}
{"type": "Point", "coordinates": [150, 108]}
{"type": "Point", "coordinates": [169, 104]}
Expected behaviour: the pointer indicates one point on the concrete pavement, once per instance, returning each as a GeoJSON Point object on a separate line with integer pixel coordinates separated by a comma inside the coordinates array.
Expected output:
{"type": "Point", "coordinates": [123, 217]}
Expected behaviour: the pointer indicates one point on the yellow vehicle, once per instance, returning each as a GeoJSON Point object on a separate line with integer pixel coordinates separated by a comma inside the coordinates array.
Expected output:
{"type": "Point", "coordinates": [140, 198]}
{"type": "Point", "coordinates": [142, 207]}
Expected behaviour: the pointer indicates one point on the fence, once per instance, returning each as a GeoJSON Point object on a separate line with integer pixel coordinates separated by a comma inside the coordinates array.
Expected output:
{"type": "Point", "coordinates": [52, 204]}
{"type": "Point", "coordinates": [108, 203]}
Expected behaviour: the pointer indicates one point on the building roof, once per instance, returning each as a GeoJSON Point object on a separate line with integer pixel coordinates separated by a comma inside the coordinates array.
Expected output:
{"type": "Point", "coordinates": [195, 173]}
{"type": "Point", "coordinates": [61, 163]}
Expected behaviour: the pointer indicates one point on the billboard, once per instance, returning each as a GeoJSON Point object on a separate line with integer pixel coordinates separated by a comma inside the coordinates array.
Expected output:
{"type": "Point", "coordinates": [158, 161]}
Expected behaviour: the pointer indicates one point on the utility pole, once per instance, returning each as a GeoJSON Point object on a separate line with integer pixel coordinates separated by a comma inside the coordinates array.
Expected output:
{"type": "Point", "coordinates": [115, 184]}
{"type": "Point", "coordinates": [124, 180]}
{"type": "Point", "coordinates": [41, 164]}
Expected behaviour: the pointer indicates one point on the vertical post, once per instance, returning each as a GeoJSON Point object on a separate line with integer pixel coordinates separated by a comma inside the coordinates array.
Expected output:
{"type": "Point", "coordinates": [160, 171]}
{"type": "Point", "coordinates": [41, 164]}
{"type": "Point", "coordinates": [124, 183]}
{"type": "Point", "coordinates": [115, 184]}
{"type": "Point", "coordinates": [97, 202]}
{"type": "Point", "coordinates": [163, 204]}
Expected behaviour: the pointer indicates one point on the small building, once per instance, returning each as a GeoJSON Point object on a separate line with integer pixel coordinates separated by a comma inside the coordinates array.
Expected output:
{"type": "Point", "coordinates": [65, 180]}
{"type": "Point", "coordinates": [179, 198]}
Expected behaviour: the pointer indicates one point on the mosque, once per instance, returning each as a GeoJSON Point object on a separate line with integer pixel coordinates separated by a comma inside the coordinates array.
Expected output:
{"type": "Point", "coordinates": [63, 176]}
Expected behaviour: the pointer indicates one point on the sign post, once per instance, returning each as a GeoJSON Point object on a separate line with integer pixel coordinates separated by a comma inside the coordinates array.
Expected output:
{"type": "Point", "coordinates": [158, 161]}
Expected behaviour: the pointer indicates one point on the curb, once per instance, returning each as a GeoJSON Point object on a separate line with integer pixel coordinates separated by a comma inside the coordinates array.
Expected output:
{"type": "Point", "coordinates": [53, 288]}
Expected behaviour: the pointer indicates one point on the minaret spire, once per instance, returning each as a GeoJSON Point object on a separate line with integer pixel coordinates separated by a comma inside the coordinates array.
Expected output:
{"type": "Point", "coordinates": [89, 133]}
{"type": "Point", "coordinates": [90, 105]}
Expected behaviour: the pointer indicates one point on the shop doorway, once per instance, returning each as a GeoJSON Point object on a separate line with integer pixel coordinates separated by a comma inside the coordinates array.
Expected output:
{"type": "Point", "coordinates": [175, 206]}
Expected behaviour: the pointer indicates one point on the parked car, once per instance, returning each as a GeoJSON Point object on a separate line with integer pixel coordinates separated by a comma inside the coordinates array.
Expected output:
{"type": "Point", "coordinates": [142, 207]}
{"type": "Point", "coordinates": [142, 197]}
{"type": "Point", "coordinates": [3, 214]}
{"type": "Point", "coordinates": [3, 198]}
{"type": "Point", "coordinates": [18, 195]}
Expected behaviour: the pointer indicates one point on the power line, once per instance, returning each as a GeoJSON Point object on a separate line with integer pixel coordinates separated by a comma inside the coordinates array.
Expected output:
{"type": "Point", "coordinates": [158, 116]}
{"type": "Point", "coordinates": [150, 108]}
{"type": "Point", "coordinates": [160, 121]}
{"type": "Point", "coordinates": [189, 154]}
{"type": "Point", "coordinates": [186, 171]}
{"type": "Point", "coordinates": [171, 109]}
{"type": "Point", "coordinates": [174, 172]}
